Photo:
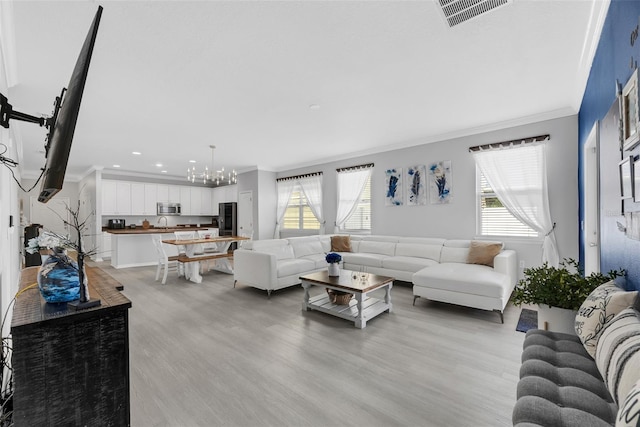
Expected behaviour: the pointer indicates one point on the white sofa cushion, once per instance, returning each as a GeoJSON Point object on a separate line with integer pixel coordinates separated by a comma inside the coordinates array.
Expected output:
{"type": "Point", "coordinates": [419, 250]}
{"type": "Point", "coordinates": [325, 241]}
{"type": "Point", "coordinates": [372, 247]}
{"type": "Point", "coordinates": [319, 260]}
{"type": "Point", "coordinates": [465, 278]}
{"type": "Point", "coordinates": [303, 246]}
{"type": "Point", "coordinates": [422, 240]}
{"type": "Point", "coordinates": [257, 245]}
{"type": "Point", "coordinates": [288, 267]}
{"type": "Point", "coordinates": [280, 251]}
{"type": "Point", "coordinates": [455, 251]}
{"type": "Point", "coordinates": [405, 263]}
{"type": "Point", "coordinates": [379, 238]}
{"type": "Point", "coordinates": [364, 259]}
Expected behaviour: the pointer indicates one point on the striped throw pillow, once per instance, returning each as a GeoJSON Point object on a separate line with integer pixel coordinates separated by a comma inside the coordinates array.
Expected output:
{"type": "Point", "coordinates": [618, 354]}
{"type": "Point", "coordinates": [600, 307]}
{"type": "Point", "coordinates": [629, 412]}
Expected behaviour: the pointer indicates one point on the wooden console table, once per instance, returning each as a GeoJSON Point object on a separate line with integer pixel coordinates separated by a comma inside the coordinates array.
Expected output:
{"type": "Point", "coordinates": [71, 367]}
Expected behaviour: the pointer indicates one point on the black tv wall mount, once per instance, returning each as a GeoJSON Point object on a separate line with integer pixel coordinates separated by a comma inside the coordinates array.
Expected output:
{"type": "Point", "coordinates": [7, 113]}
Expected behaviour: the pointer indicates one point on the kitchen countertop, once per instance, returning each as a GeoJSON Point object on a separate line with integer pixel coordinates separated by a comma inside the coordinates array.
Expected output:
{"type": "Point", "coordinates": [152, 230]}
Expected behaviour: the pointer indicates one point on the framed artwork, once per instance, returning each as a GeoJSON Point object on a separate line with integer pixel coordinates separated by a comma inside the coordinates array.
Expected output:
{"type": "Point", "coordinates": [417, 185]}
{"type": "Point", "coordinates": [636, 181]}
{"type": "Point", "coordinates": [440, 182]}
{"type": "Point", "coordinates": [630, 113]}
{"type": "Point", "coordinates": [393, 181]}
{"type": "Point", "coordinates": [626, 178]}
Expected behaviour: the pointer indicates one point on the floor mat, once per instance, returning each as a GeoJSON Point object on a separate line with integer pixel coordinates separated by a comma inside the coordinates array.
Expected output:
{"type": "Point", "coordinates": [528, 320]}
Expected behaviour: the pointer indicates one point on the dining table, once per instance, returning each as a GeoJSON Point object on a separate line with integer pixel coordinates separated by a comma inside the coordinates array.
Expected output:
{"type": "Point", "coordinates": [194, 254]}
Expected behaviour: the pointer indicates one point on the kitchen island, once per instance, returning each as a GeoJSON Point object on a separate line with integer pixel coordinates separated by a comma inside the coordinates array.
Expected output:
{"type": "Point", "coordinates": [132, 247]}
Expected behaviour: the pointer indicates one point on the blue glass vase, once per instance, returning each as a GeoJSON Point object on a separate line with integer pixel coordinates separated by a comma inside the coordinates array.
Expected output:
{"type": "Point", "coordinates": [58, 278]}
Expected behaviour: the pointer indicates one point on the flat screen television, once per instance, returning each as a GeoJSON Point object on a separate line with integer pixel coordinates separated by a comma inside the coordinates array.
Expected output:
{"type": "Point", "coordinates": [64, 119]}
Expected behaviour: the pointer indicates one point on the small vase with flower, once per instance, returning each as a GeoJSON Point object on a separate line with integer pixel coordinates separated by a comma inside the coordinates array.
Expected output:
{"type": "Point", "coordinates": [334, 263]}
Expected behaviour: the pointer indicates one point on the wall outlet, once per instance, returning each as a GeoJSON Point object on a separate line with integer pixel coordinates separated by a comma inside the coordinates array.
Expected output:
{"type": "Point", "coordinates": [521, 263]}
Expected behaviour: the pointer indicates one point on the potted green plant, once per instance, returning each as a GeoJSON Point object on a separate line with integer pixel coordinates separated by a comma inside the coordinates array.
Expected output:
{"type": "Point", "coordinates": [559, 292]}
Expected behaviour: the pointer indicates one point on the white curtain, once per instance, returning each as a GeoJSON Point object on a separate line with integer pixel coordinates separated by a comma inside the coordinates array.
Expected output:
{"type": "Point", "coordinates": [518, 175]}
{"type": "Point", "coordinates": [312, 189]}
{"type": "Point", "coordinates": [285, 188]}
{"type": "Point", "coordinates": [351, 184]}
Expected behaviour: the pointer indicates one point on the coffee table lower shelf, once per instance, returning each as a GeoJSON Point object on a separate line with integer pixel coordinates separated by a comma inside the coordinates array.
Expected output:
{"type": "Point", "coordinates": [371, 307]}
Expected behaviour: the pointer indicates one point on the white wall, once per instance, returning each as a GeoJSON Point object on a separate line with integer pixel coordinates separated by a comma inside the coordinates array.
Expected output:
{"type": "Point", "coordinates": [267, 204]}
{"type": "Point", "coordinates": [262, 184]}
{"type": "Point", "coordinates": [88, 209]}
{"type": "Point", "coordinates": [10, 230]}
{"type": "Point", "coordinates": [69, 189]}
{"type": "Point", "coordinates": [458, 219]}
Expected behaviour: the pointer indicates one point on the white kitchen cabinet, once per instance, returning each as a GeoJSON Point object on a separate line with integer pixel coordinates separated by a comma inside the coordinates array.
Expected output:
{"type": "Point", "coordinates": [116, 198]}
{"type": "Point", "coordinates": [162, 193]}
{"type": "Point", "coordinates": [109, 197]}
{"type": "Point", "coordinates": [217, 196]}
{"type": "Point", "coordinates": [205, 202]}
{"type": "Point", "coordinates": [137, 198]}
{"type": "Point", "coordinates": [196, 200]}
{"type": "Point", "coordinates": [150, 199]}
{"type": "Point", "coordinates": [105, 247]}
{"type": "Point", "coordinates": [174, 193]}
{"type": "Point", "coordinates": [185, 199]}
{"type": "Point", "coordinates": [143, 198]}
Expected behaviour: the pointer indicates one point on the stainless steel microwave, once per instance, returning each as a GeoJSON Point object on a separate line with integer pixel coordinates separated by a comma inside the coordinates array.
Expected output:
{"type": "Point", "coordinates": [164, 208]}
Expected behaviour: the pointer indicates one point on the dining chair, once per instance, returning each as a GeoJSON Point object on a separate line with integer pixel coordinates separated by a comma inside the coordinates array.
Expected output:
{"type": "Point", "coordinates": [197, 250]}
{"type": "Point", "coordinates": [209, 247]}
{"type": "Point", "coordinates": [186, 235]}
{"type": "Point", "coordinates": [164, 261]}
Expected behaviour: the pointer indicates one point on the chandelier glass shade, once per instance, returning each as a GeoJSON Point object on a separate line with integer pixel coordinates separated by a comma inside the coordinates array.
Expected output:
{"type": "Point", "coordinates": [212, 176]}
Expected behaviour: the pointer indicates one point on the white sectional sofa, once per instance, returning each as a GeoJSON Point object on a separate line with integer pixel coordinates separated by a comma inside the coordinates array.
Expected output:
{"type": "Point", "coordinates": [437, 267]}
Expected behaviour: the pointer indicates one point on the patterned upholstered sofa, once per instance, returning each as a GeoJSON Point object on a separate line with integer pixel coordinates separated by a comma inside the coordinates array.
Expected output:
{"type": "Point", "coordinates": [587, 380]}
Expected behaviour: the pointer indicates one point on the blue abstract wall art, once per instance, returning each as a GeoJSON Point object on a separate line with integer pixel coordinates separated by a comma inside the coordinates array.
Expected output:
{"type": "Point", "coordinates": [416, 185]}
{"type": "Point", "coordinates": [393, 181]}
{"type": "Point", "coordinates": [440, 182]}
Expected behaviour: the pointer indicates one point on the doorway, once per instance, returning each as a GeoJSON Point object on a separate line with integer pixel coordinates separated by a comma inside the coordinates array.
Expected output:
{"type": "Point", "coordinates": [591, 180]}
{"type": "Point", "coordinates": [52, 215]}
{"type": "Point", "coordinates": [245, 214]}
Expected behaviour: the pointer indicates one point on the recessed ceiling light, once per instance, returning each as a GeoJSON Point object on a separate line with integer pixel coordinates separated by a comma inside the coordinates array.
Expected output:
{"type": "Point", "coordinates": [163, 171]}
{"type": "Point", "coordinates": [314, 107]}
{"type": "Point", "coordinates": [159, 165]}
{"type": "Point", "coordinates": [192, 161]}
{"type": "Point", "coordinates": [137, 153]}
{"type": "Point", "coordinates": [116, 166]}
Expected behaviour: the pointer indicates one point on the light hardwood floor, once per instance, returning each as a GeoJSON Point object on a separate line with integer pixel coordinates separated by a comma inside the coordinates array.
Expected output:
{"type": "Point", "coordinates": [211, 355]}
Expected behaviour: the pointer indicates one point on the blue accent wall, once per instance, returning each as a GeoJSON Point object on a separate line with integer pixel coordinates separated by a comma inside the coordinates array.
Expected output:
{"type": "Point", "coordinates": [612, 62]}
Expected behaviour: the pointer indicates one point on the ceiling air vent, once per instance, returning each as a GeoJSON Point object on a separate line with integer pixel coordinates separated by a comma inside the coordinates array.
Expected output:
{"type": "Point", "coordinates": [458, 11]}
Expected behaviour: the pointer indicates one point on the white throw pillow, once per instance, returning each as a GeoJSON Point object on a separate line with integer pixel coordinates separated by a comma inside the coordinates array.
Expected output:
{"type": "Point", "coordinates": [598, 310]}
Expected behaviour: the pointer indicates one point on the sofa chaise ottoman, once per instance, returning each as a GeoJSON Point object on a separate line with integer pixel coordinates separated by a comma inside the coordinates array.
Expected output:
{"type": "Point", "coordinates": [485, 285]}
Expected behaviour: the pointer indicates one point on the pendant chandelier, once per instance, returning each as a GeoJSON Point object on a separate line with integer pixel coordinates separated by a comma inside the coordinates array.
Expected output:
{"type": "Point", "coordinates": [213, 176]}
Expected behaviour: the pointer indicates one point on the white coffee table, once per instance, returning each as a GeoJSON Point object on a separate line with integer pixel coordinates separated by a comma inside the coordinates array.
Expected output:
{"type": "Point", "coordinates": [361, 308]}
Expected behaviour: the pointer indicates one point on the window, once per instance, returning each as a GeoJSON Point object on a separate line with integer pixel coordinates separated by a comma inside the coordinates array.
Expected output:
{"type": "Point", "coordinates": [360, 219]}
{"type": "Point", "coordinates": [494, 218]}
{"type": "Point", "coordinates": [298, 215]}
